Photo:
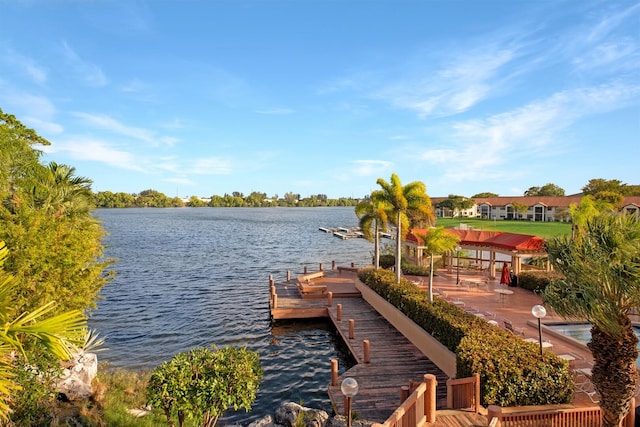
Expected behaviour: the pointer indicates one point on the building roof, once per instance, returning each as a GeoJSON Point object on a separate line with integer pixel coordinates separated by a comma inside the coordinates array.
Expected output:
{"type": "Point", "coordinates": [498, 239]}
{"type": "Point", "coordinates": [552, 201]}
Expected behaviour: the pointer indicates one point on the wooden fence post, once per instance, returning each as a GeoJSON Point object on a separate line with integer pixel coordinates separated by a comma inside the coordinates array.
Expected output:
{"type": "Point", "coordinates": [494, 411]}
{"type": "Point", "coordinates": [476, 393]}
{"type": "Point", "coordinates": [430, 398]}
{"type": "Point", "coordinates": [404, 394]}
{"type": "Point", "coordinates": [334, 372]}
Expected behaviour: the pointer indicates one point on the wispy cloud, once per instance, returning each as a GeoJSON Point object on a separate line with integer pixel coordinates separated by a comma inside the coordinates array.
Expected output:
{"type": "Point", "coordinates": [26, 65]}
{"type": "Point", "coordinates": [211, 166]}
{"type": "Point", "coordinates": [112, 125]}
{"type": "Point", "coordinates": [370, 167]}
{"type": "Point", "coordinates": [89, 72]}
{"type": "Point", "coordinates": [82, 148]}
{"type": "Point", "coordinates": [483, 148]}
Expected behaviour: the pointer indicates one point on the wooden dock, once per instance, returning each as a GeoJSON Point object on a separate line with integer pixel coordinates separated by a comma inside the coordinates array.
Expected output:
{"type": "Point", "coordinates": [393, 362]}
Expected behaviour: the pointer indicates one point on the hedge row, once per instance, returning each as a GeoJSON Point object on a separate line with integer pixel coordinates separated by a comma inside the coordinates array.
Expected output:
{"type": "Point", "coordinates": [512, 372]}
{"type": "Point", "coordinates": [537, 281]}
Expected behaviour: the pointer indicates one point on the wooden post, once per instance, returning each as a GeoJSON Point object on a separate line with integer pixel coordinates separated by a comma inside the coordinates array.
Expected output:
{"type": "Point", "coordinates": [275, 300]}
{"type": "Point", "coordinates": [430, 398]}
{"type": "Point", "coordinates": [346, 402]}
{"type": "Point", "coordinates": [321, 267]}
{"type": "Point", "coordinates": [305, 269]}
{"type": "Point", "coordinates": [334, 372]}
{"type": "Point", "coordinates": [329, 299]}
{"type": "Point", "coordinates": [476, 393]}
{"type": "Point", "coordinates": [494, 411]}
{"type": "Point", "coordinates": [333, 265]}
{"type": "Point", "coordinates": [270, 278]}
{"type": "Point", "coordinates": [366, 351]}
{"type": "Point", "coordinates": [288, 276]}
{"type": "Point", "coordinates": [353, 264]}
{"type": "Point", "coordinates": [404, 394]}
{"type": "Point", "coordinates": [339, 313]}
{"type": "Point", "coordinates": [352, 324]}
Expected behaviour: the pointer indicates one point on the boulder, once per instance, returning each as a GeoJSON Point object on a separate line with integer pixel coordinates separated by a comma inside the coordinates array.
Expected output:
{"type": "Point", "coordinates": [291, 414]}
{"type": "Point", "coordinates": [76, 379]}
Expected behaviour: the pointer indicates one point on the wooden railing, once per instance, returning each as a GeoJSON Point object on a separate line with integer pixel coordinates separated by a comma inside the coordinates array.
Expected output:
{"type": "Point", "coordinates": [418, 409]}
{"type": "Point", "coordinates": [464, 393]}
{"type": "Point", "coordinates": [570, 417]}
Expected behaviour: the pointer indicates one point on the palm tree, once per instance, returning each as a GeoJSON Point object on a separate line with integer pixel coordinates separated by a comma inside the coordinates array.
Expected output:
{"type": "Point", "coordinates": [601, 268]}
{"type": "Point", "coordinates": [400, 201]}
{"type": "Point", "coordinates": [61, 192]}
{"type": "Point", "coordinates": [370, 214]}
{"type": "Point", "coordinates": [59, 335]}
{"type": "Point", "coordinates": [588, 208]}
{"type": "Point", "coordinates": [437, 240]}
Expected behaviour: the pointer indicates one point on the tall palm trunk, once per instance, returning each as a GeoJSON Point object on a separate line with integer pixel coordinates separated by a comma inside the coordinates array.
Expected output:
{"type": "Point", "coordinates": [431, 277]}
{"type": "Point", "coordinates": [398, 247]}
{"type": "Point", "coordinates": [614, 371]}
{"type": "Point", "coordinates": [376, 246]}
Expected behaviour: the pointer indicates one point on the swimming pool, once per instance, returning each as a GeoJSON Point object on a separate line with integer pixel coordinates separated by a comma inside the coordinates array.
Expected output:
{"type": "Point", "coordinates": [582, 332]}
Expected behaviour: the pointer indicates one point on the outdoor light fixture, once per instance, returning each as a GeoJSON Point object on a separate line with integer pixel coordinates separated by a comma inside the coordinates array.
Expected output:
{"type": "Point", "coordinates": [349, 388]}
{"type": "Point", "coordinates": [458, 249]}
{"type": "Point", "coordinates": [539, 312]}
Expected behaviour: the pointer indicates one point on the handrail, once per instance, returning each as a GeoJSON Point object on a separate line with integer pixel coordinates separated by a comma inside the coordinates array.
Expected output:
{"type": "Point", "coordinates": [418, 409]}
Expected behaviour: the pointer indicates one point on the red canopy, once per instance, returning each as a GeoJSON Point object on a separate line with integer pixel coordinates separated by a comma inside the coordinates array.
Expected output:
{"type": "Point", "coordinates": [505, 278]}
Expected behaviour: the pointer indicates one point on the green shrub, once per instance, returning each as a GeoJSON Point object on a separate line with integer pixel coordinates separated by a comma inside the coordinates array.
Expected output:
{"type": "Point", "coordinates": [414, 269]}
{"type": "Point", "coordinates": [387, 261]}
{"type": "Point", "coordinates": [202, 384]}
{"type": "Point", "coordinates": [512, 373]}
{"type": "Point", "coordinates": [537, 281]}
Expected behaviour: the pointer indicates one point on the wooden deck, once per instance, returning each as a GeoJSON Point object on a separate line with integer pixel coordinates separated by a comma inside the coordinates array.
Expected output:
{"type": "Point", "coordinates": [394, 361]}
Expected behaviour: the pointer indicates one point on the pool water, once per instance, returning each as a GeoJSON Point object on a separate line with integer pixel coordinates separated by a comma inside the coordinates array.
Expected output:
{"type": "Point", "coordinates": [582, 332]}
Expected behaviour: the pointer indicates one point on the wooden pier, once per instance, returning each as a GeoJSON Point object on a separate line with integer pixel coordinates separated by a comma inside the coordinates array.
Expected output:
{"type": "Point", "coordinates": [387, 363]}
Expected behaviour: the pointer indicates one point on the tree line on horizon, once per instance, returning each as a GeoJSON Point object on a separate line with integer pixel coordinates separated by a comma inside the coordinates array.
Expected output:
{"type": "Point", "coordinates": [612, 191]}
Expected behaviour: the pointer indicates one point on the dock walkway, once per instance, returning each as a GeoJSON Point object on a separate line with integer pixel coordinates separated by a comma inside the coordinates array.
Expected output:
{"type": "Point", "coordinates": [393, 360]}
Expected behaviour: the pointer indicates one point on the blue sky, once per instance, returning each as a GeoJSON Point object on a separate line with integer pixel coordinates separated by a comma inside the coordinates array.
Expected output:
{"type": "Point", "coordinates": [325, 97]}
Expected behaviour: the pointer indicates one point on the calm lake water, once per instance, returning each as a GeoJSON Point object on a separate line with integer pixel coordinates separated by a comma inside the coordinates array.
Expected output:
{"type": "Point", "coordinates": [191, 277]}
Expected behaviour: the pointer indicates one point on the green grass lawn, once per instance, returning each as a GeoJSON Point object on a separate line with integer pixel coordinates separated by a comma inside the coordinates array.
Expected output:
{"type": "Point", "coordinates": [545, 230]}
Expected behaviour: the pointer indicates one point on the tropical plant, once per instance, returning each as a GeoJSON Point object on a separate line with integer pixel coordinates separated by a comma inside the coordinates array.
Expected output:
{"type": "Point", "coordinates": [586, 209]}
{"type": "Point", "coordinates": [369, 214]}
{"type": "Point", "coordinates": [601, 284]}
{"type": "Point", "coordinates": [399, 201]}
{"type": "Point", "coordinates": [436, 241]}
{"type": "Point", "coordinates": [202, 384]}
{"type": "Point", "coordinates": [57, 335]}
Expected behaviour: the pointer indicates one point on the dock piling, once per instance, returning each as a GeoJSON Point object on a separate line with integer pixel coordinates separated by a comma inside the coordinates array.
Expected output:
{"type": "Point", "coordinates": [334, 372]}
{"type": "Point", "coordinates": [288, 276]}
{"type": "Point", "coordinates": [339, 313]}
{"type": "Point", "coordinates": [352, 325]}
{"type": "Point", "coordinates": [366, 349]}
{"type": "Point", "coordinates": [329, 299]}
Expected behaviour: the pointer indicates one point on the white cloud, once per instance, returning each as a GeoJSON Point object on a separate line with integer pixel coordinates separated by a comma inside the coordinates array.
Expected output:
{"type": "Point", "coordinates": [43, 127]}
{"type": "Point", "coordinates": [211, 166]}
{"type": "Point", "coordinates": [36, 106]}
{"type": "Point", "coordinates": [485, 148]}
{"type": "Point", "coordinates": [370, 167]}
{"type": "Point", "coordinates": [27, 65]}
{"type": "Point", "coordinates": [113, 125]}
{"type": "Point", "coordinates": [90, 73]}
{"type": "Point", "coordinates": [82, 148]}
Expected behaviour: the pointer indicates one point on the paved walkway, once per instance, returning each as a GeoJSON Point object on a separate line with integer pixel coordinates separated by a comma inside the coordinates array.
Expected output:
{"type": "Point", "coordinates": [515, 307]}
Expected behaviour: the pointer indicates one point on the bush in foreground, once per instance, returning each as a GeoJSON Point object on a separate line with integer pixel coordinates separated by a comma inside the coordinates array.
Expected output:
{"type": "Point", "coordinates": [201, 384]}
